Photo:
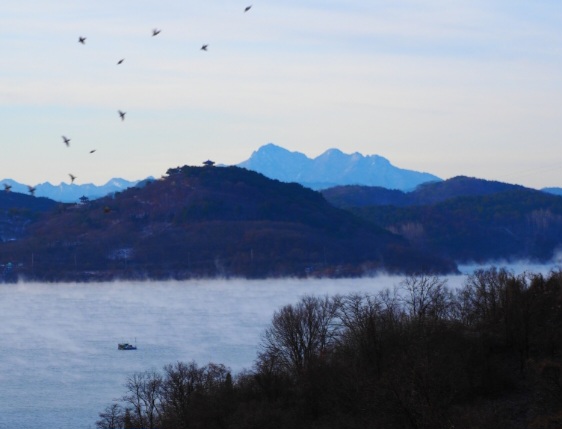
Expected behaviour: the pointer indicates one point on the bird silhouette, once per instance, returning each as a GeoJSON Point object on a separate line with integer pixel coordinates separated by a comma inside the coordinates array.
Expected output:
{"type": "Point", "coordinates": [92, 151]}
{"type": "Point", "coordinates": [82, 40]}
{"type": "Point", "coordinates": [66, 141]}
{"type": "Point", "coordinates": [31, 190]}
{"type": "Point", "coordinates": [122, 114]}
{"type": "Point", "coordinates": [7, 187]}
{"type": "Point", "coordinates": [72, 177]}
{"type": "Point", "coordinates": [204, 47]}
{"type": "Point", "coordinates": [247, 8]}
{"type": "Point", "coordinates": [120, 61]}
{"type": "Point", "coordinates": [155, 32]}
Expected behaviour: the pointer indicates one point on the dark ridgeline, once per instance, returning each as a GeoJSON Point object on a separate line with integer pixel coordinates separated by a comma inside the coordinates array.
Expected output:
{"type": "Point", "coordinates": [206, 222]}
{"type": "Point", "coordinates": [19, 203]}
{"type": "Point", "coordinates": [427, 193]}
{"type": "Point", "coordinates": [467, 219]}
{"type": "Point", "coordinates": [486, 356]}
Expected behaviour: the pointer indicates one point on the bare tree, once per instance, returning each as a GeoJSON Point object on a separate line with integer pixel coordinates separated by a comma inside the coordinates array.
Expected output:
{"type": "Point", "coordinates": [426, 298]}
{"type": "Point", "coordinates": [144, 395]}
{"type": "Point", "coordinates": [482, 295]}
{"type": "Point", "coordinates": [180, 384]}
{"type": "Point", "coordinates": [111, 418]}
{"type": "Point", "coordinates": [298, 334]}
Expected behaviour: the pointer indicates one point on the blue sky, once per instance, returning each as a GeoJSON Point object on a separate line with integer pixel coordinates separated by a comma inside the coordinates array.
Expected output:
{"type": "Point", "coordinates": [450, 87]}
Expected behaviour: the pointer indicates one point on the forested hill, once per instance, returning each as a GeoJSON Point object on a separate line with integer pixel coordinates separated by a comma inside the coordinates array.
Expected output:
{"type": "Point", "coordinates": [510, 224]}
{"type": "Point", "coordinates": [22, 202]}
{"type": "Point", "coordinates": [210, 221]}
{"type": "Point", "coordinates": [17, 211]}
{"type": "Point", "coordinates": [426, 193]}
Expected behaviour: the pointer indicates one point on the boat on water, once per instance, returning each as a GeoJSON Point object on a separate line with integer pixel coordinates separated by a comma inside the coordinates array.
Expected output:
{"type": "Point", "coordinates": [126, 346]}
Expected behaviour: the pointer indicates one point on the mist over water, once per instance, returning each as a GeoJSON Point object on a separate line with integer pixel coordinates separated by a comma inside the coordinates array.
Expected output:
{"type": "Point", "coordinates": [59, 363]}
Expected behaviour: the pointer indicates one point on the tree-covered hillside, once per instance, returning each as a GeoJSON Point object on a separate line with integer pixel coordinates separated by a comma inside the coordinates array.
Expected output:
{"type": "Point", "coordinates": [17, 211]}
{"type": "Point", "coordinates": [514, 224]}
{"type": "Point", "coordinates": [424, 194]}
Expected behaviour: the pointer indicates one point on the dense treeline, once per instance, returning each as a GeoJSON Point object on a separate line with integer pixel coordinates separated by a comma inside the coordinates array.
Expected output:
{"type": "Point", "coordinates": [487, 355]}
{"type": "Point", "coordinates": [466, 219]}
{"type": "Point", "coordinates": [512, 225]}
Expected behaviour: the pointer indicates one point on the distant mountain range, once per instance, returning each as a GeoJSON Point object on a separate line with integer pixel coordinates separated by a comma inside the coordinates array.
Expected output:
{"type": "Point", "coordinates": [554, 191]}
{"type": "Point", "coordinates": [71, 193]}
{"type": "Point", "coordinates": [333, 168]}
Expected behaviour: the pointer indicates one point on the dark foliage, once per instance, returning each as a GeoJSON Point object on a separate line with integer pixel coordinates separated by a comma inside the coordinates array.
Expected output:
{"type": "Point", "coordinates": [425, 194]}
{"type": "Point", "coordinates": [422, 356]}
{"type": "Point", "coordinates": [510, 225]}
{"type": "Point", "coordinates": [17, 211]}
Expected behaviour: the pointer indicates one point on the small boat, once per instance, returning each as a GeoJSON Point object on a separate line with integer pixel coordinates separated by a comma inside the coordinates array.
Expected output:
{"type": "Point", "coordinates": [126, 346]}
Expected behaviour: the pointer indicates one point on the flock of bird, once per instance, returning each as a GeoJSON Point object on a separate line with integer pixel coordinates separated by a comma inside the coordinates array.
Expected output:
{"type": "Point", "coordinates": [66, 140]}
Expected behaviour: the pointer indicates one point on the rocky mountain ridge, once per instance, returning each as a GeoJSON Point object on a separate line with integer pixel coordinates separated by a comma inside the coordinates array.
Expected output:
{"type": "Point", "coordinates": [333, 168]}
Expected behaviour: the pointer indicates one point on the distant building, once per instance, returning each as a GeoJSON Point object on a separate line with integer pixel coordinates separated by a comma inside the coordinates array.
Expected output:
{"type": "Point", "coordinates": [209, 163]}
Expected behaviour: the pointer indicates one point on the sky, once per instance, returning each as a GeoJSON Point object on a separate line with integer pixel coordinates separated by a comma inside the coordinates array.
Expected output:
{"type": "Point", "coordinates": [448, 87]}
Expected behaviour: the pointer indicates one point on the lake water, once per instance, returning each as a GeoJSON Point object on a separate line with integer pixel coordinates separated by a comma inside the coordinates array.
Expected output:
{"type": "Point", "coordinates": [59, 363]}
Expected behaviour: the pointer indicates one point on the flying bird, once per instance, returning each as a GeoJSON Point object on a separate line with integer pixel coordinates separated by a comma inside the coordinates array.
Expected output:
{"type": "Point", "coordinates": [32, 190]}
{"type": "Point", "coordinates": [72, 177]}
{"type": "Point", "coordinates": [204, 47]}
{"type": "Point", "coordinates": [82, 40]}
{"type": "Point", "coordinates": [122, 114]}
{"type": "Point", "coordinates": [120, 61]}
{"type": "Point", "coordinates": [92, 151]}
{"type": "Point", "coordinates": [247, 8]}
{"type": "Point", "coordinates": [7, 187]}
{"type": "Point", "coordinates": [155, 32]}
{"type": "Point", "coordinates": [66, 141]}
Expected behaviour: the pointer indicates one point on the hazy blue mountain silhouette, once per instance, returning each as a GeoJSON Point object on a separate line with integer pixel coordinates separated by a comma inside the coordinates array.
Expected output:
{"type": "Point", "coordinates": [71, 193]}
{"type": "Point", "coordinates": [333, 168]}
{"type": "Point", "coordinates": [553, 191]}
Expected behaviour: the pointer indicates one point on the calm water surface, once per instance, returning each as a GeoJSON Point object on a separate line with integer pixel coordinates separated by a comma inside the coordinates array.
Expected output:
{"type": "Point", "coordinates": [59, 363]}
